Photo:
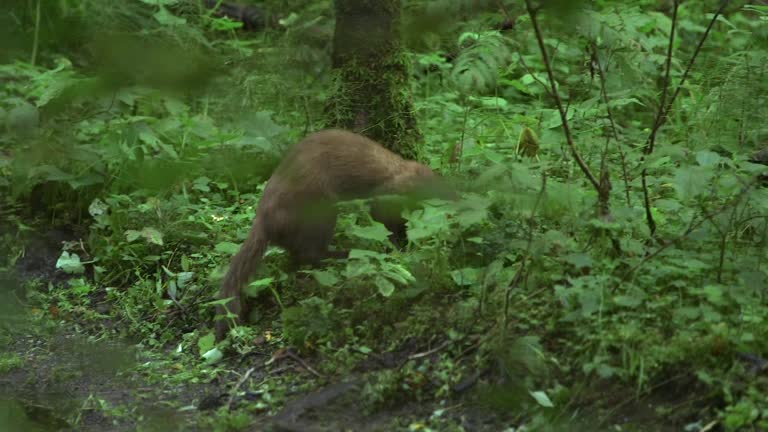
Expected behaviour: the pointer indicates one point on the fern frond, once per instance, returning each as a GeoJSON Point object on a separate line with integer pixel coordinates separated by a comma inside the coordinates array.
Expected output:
{"type": "Point", "coordinates": [476, 69]}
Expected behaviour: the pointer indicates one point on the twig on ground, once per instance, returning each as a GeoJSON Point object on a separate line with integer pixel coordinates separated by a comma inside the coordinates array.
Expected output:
{"type": "Point", "coordinates": [438, 348]}
{"type": "Point", "coordinates": [288, 352]}
{"type": "Point", "coordinates": [240, 382]}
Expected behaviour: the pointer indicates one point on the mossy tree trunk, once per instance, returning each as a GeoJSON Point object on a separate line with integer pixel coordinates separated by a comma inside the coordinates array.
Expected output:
{"type": "Point", "coordinates": [372, 94]}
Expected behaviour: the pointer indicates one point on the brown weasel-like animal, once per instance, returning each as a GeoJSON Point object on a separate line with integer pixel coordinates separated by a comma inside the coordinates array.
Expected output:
{"type": "Point", "coordinates": [297, 210]}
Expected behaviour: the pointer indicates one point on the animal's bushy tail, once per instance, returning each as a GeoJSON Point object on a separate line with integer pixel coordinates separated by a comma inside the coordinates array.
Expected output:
{"type": "Point", "coordinates": [241, 268]}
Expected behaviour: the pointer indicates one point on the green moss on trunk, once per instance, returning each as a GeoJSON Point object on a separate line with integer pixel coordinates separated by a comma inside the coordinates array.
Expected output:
{"type": "Point", "coordinates": [372, 94]}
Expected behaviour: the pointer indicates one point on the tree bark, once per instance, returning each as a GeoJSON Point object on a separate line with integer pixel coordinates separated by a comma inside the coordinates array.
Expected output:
{"type": "Point", "coordinates": [372, 95]}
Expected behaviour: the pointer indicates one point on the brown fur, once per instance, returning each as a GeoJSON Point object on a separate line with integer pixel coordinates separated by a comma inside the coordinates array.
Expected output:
{"type": "Point", "coordinates": [297, 210]}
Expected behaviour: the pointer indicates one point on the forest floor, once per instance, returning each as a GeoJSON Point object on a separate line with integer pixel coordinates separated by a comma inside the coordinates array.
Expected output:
{"type": "Point", "coordinates": [58, 373]}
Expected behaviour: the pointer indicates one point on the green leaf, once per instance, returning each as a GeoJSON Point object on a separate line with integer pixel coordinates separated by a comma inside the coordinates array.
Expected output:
{"type": "Point", "coordinates": [260, 124]}
{"type": "Point", "coordinates": [70, 263]}
{"type": "Point", "coordinates": [227, 248]}
{"type": "Point", "coordinates": [579, 260]}
{"type": "Point", "coordinates": [359, 267]}
{"type": "Point", "coordinates": [254, 288]}
{"type": "Point", "coordinates": [688, 313]}
{"type": "Point", "coordinates": [80, 287]}
{"type": "Point", "coordinates": [490, 102]}
{"type": "Point", "coordinates": [376, 231]}
{"type": "Point", "coordinates": [630, 300]}
{"type": "Point", "coordinates": [363, 253]}
{"type": "Point", "coordinates": [589, 301]}
{"type": "Point", "coordinates": [132, 235]}
{"type": "Point", "coordinates": [708, 158]}
{"type": "Point", "coordinates": [152, 235]}
{"type": "Point", "coordinates": [225, 24]}
{"type": "Point", "coordinates": [466, 276]}
{"type": "Point", "coordinates": [426, 223]}
{"type": "Point", "coordinates": [385, 287]}
{"type": "Point", "coordinates": [172, 289]}
{"type": "Point", "coordinates": [164, 17]}
{"type": "Point", "coordinates": [160, 2]}
{"type": "Point", "coordinates": [212, 356]}
{"type": "Point", "coordinates": [542, 399]}
{"type": "Point", "coordinates": [183, 278]}
{"type": "Point", "coordinates": [325, 277]}
{"type": "Point", "coordinates": [691, 182]}
{"type": "Point", "coordinates": [97, 208]}
{"type": "Point", "coordinates": [474, 210]}
{"type": "Point", "coordinates": [201, 184]}
{"type": "Point", "coordinates": [714, 294]}
{"type": "Point", "coordinates": [399, 274]}
{"type": "Point", "coordinates": [49, 173]}
{"type": "Point", "coordinates": [206, 343]}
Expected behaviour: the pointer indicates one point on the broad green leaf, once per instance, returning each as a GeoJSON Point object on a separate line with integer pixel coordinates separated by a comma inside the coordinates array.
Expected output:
{"type": "Point", "coordinates": [49, 173]}
{"type": "Point", "coordinates": [225, 24]}
{"type": "Point", "coordinates": [206, 343]}
{"type": "Point", "coordinates": [325, 278]}
{"type": "Point", "coordinates": [164, 17]}
{"type": "Point", "coordinates": [375, 231]}
{"type": "Point", "coordinates": [579, 260]}
{"type": "Point", "coordinates": [152, 235]}
{"type": "Point", "coordinates": [254, 288]}
{"type": "Point", "coordinates": [490, 102]}
{"type": "Point", "coordinates": [356, 268]}
{"type": "Point", "coordinates": [132, 235]}
{"type": "Point", "coordinates": [362, 253]}
{"type": "Point", "coordinates": [172, 289]}
{"type": "Point", "coordinates": [70, 263]}
{"type": "Point", "coordinates": [474, 210]}
{"type": "Point", "coordinates": [710, 315]}
{"type": "Point", "coordinates": [400, 274]}
{"type": "Point", "coordinates": [183, 278]}
{"type": "Point", "coordinates": [260, 124]}
{"type": "Point", "coordinates": [708, 158]}
{"type": "Point", "coordinates": [385, 287]}
{"type": "Point", "coordinates": [97, 208]}
{"type": "Point", "coordinates": [160, 2]}
{"type": "Point", "coordinates": [589, 299]}
{"type": "Point", "coordinates": [691, 182]}
{"type": "Point", "coordinates": [714, 294]}
{"type": "Point", "coordinates": [688, 313]}
{"type": "Point", "coordinates": [80, 287]}
{"type": "Point", "coordinates": [467, 276]}
{"type": "Point", "coordinates": [201, 184]}
{"type": "Point", "coordinates": [630, 300]}
{"type": "Point", "coordinates": [227, 248]}
{"type": "Point", "coordinates": [542, 399]}
{"type": "Point", "coordinates": [212, 356]}
{"type": "Point", "coordinates": [426, 222]}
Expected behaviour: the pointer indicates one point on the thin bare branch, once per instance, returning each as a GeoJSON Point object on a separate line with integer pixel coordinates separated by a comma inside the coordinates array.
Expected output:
{"type": "Point", "coordinates": [657, 123]}
{"type": "Point", "coordinates": [558, 101]}
{"type": "Point", "coordinates": [665, 89]}
{"type": "Point", "coordinates": [688, 68]}
{"type": "Point", "coordinates": [606, 100]}
{"type": "Point", "coordinates": [666, 106]}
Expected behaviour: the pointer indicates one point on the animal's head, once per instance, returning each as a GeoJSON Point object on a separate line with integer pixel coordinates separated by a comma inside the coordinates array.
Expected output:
{"type": "Point", "coordinates": [427, 184]}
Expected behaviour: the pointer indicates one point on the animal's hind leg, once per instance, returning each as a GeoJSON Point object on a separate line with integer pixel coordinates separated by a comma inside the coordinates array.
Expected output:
{"type": "Point", "coordinates": [311, 238]}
